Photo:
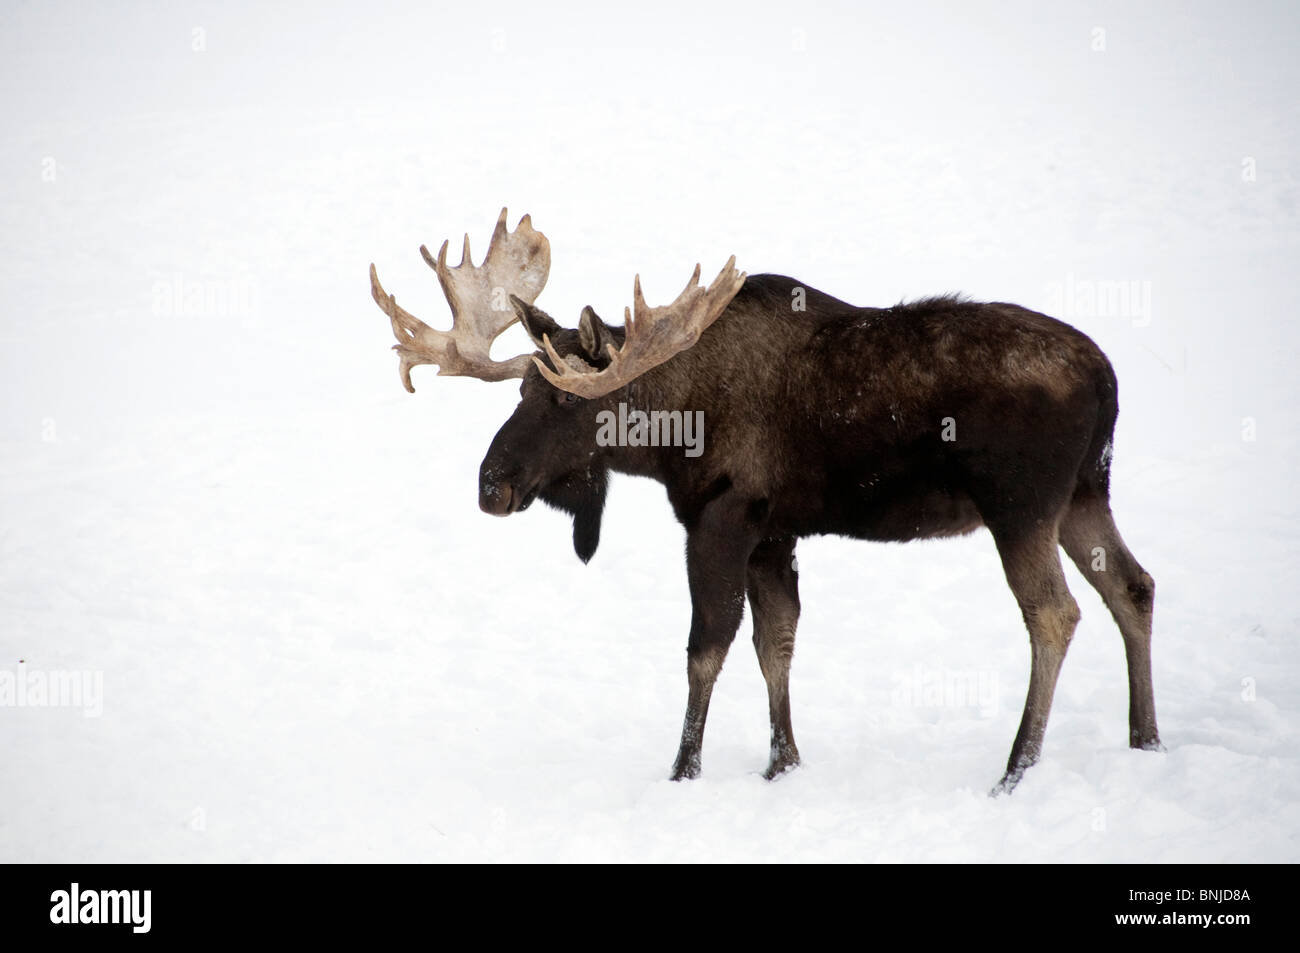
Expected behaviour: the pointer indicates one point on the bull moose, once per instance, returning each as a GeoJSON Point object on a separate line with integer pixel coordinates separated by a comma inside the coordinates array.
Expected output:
{"type": "Point", "coordinates": [918, 421]}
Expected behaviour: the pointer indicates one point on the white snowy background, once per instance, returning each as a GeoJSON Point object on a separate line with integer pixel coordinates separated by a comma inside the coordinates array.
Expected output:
{"type": "Point", "coordinates": [215, 494]}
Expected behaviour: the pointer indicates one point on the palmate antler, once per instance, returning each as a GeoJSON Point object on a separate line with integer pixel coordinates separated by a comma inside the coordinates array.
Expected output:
{"type": "Point", "coordinates": [516, 263]}
{"type": "Point", "coordinates": [652, 335]}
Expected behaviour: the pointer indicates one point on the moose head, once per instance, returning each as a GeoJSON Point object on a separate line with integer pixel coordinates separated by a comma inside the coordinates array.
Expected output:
{"type": "Point", "coordinates": [548, 447]}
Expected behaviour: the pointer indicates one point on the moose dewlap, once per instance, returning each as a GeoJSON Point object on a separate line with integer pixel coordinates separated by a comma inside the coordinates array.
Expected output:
{"type": "Point", "coordinates": [922, 420]}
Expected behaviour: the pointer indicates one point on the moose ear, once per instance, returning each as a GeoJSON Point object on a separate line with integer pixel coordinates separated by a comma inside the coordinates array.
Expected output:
{"type": "Point", "coordinates": [535, 321]}
{"type": "Point", "coordinates": [594, 335]}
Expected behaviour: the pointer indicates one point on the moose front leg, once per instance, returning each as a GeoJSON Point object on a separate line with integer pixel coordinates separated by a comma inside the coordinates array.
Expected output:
{"type": "Point", "coordinates": [717, 551]}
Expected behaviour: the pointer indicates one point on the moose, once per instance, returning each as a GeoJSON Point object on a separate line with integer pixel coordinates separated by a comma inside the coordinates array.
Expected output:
{"type": "Point", "coordinates": [922, 420]}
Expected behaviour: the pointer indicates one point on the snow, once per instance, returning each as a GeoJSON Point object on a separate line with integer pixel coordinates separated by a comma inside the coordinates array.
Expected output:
{"type": "Point", "coordinates": [312, 644]}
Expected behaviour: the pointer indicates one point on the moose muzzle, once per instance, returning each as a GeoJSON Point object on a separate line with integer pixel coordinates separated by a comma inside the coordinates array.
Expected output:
{"type": "Point", "coordinates": [502, 496]}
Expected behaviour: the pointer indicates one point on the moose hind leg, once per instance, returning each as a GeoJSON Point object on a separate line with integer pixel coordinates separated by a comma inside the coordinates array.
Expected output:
{"type": "Point", "coordinates": [773, 587]}
{"type": "Point", "coordinates": [1033, 569]}
{"type": "Point", "coordinates": [1090, 538]}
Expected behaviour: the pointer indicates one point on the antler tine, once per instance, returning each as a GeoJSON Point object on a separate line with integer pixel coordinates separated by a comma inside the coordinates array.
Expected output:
{"type": "Point", "coordinates": [407, 328]}
{"type": "Point", "coordinates": [727, 274]}
{"type": "Point", "coordinates": [638, 299]}
{"type": "Point", "coordinates": [439, 266]}
{"type": "Point", "coordinates": [430, 260]}
{"type": "Point", "coordinates": [500, 228]}
{"type": "Point", "coordinates": [550, 352]}
{"type": "Point", "coordinates": [695, 278]}
{"type": "Point", "coordinates": [403, 321]}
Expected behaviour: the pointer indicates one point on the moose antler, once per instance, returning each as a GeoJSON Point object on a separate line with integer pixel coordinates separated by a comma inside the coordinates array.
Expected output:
{"type": "Point", "coordinates": [516, 263]}
{"type": "Point", "coordinates": [652, 335]}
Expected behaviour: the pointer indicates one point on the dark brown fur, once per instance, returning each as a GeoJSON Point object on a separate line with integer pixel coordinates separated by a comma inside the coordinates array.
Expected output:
{"type": "Point", "coordinates": [832, 419]}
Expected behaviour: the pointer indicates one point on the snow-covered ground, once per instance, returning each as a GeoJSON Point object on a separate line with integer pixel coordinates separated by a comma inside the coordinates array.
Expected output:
{"type": "Point", "coordinates": [216, 498]}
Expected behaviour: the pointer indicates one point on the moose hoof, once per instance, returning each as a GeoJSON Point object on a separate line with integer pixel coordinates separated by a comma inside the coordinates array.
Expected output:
{"type": "Point", "coordinates": [1005, 786]}
{"type": "Point", "coordinates": [1008, 783]}
{"type": "Point", "coordinates": [781, 764]}
{"type": "Point", "coordinates": [1151, 744]}
{"type": "Point", "coordinates": [686, 769]}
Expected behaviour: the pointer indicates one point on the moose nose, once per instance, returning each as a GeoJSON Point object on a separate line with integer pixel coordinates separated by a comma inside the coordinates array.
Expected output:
{"type": "Point", "coordinates": [495, 499]}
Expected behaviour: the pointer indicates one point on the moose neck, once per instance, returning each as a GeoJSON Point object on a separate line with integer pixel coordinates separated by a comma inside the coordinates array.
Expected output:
{"type": "Point", "coordinates": [649, 429]}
